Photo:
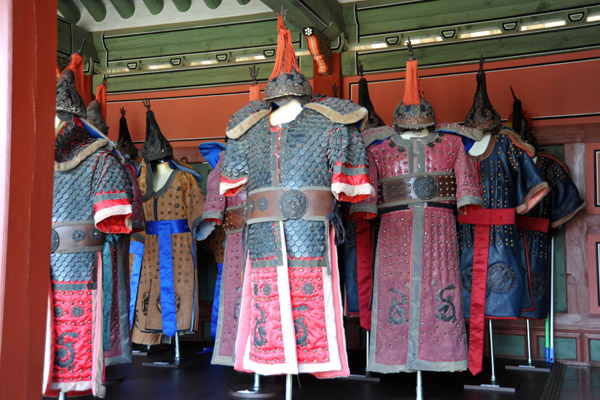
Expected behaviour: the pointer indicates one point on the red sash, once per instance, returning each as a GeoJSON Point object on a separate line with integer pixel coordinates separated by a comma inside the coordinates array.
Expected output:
{"type": "Point", "coordinates": [482, 219]}
{"type": "Point", "coordinates": [533, 223]}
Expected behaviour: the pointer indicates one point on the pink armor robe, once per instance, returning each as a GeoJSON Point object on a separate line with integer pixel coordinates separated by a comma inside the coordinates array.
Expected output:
{"type": "Point", "coordinates": [417, 321]}
{"type": "Point", "coordinates": [228, 211]}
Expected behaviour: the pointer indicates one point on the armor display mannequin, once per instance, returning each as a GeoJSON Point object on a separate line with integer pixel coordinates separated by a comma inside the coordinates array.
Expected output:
{"type": "Point", "coordinates": [291, 315]}
{"type": "Point", "coordinates": [91, 199]}
{"type": "Point", "coordinates": [165, 283]}
{"type": "Point", "coordinates": [230, 213]}
{"type": "Point", "coordinates": [493, 270]}
{"type": "Point", "coordinates": [423, 176]}
{"type": "Point", "coordinates": [560, 205]}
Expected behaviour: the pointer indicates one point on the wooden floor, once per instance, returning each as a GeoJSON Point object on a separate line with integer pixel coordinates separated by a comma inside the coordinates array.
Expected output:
{"type": "Point", "coordinates": [198, 380]}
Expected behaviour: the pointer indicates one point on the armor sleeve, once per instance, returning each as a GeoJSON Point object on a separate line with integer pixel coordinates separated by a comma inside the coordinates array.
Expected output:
{"type": "Point", "coordinates": [347, 159]}
{"type": "Point", "coordinates": [137, 215]}
{"type": "Point", "coordinates": [214, 207]}
{"type": "Point", "coordinates": [564, 195]}
{"type": "Point", "coordinates": [111, 191]}
{"type": "Point", "coordinates": [468, 193]}
{"type": "Point", "coordinates": [234, 172]}
{"type": "Point", "coordinates": [530, 187]}
{"type": "Point", "coordinates": [194, 200]}
{"type": "Point", "coordinates": [367, 208]}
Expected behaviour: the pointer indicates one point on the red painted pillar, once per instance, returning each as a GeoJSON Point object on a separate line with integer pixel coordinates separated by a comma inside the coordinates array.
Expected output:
{"type": "Point", "coordinates": [27, 97]}
{"type": "Point", "coordinates": [323, 84]}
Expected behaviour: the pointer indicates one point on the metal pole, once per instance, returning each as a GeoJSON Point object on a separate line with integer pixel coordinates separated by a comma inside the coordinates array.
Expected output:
{"type": "Point", "coordinates": [288, 387]}
{"type": "Point", "coordinates": [528, 344]}
{"type": "Point", "coordinates": [493, 378]}
{"type": "Point", "coordinates": [177, 358]}
{"type": "Point", "coordinates": [367, 350]}
{"type": "Point", "coordinates": [419, 386]}
{"type": "Point", "coordinates": [61, 395]}
{"type": "Point", "coordinates": [551, 358]}
{"type": "Point", "coordinates": [256, 386]}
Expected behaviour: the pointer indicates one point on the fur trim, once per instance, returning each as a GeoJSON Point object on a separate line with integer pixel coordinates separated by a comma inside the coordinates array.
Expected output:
{"type": "Point", "coordinates": [471, 133]}
{"type": "Point", "coordinates": [85, 153]}
{"type": "Point", "coordinates": [359, 115]}
{"type": "Point", "coordinates": [516, 139]}
{"type": "Point", "coordinates": [544, 154]}
{"type": "Point", "coordinates": [374, 134]}
{"type": "Point", "coordinates": [237, 131]}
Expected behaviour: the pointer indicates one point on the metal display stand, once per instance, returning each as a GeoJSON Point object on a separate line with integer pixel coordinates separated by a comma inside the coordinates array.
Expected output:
{"type": "Point", "coordinates": [366, 376]}
{"type": "Point", "coordinates": [493, 384]}
{"type": "Point", "coordinates": [530, 366]}
{"type": "Point", "coordinates": [257, 391]}
{"type": "Point", "coordinates": [174, 363]}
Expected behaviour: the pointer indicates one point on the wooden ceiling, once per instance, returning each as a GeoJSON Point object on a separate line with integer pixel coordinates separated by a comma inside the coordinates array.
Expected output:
{"type": "Point", "coordinates": [204, 50]}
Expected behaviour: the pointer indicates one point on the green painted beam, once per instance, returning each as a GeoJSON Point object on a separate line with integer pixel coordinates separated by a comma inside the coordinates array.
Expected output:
{"type": "Point", "coordinates": [251, 34]}
{"type": "Point", "coordinates": [125, 8]}
{"type": "Point", "coordinates": [69, 10]}
{"type": "Point", "coordinates": [97, 9]}
{"type": "Point", "coordinates": [420, 15]}
{"type": "Point", "coordinates": [212, 4]}
{"type": "Point", "coordinates": [154, 6]}
{"type": "Point", "coordinates": [460, 52]}
{"type": "Point", "coordinates": [322, 15]}
{"type": "Point", "coordinates": [243, 2]}
{"type": "Point", "coordinates": [182, 5]}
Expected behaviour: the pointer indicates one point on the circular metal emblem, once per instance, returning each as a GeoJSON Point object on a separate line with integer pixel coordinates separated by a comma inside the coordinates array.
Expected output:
{"type": "Point", "coordinates": [466, 277]}
{"type": "Point", "coordinates": [262, 203]}
{"type": "Point", "coordinates": [293, 204]}
{"type": "Point", "coordinates": [539, 285]}
{"type": "Point", "coordinates": [78, 235]}
{"type": "Point", "coordinates": [95, 233]}
{"type": "Point", "coordinates": [55, 240]}
{"type": "Point", "coordinates": [502, 278]}
{"type": "Point", "coordinates": [426, 187]}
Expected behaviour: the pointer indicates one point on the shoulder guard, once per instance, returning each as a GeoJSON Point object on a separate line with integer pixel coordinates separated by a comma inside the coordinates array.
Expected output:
{"type": "Point", "coordinates": [461, 130]}
{"type": "Point", "coordinates": [376, 134]}
{"type": "Point", "coordinates": [338, 110]}
{"type": "Point", "coordinates": [246, 118]}
{"type": "Point", "coordinates": [517, 141]}
{"type": "Point", "coordinates": [552, 157]}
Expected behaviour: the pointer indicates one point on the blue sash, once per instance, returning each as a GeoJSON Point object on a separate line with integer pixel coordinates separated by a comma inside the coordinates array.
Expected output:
{"type": "Point", "coordinates": [136, 248]}
{"type": "Point", "coordinates": [164, 230]}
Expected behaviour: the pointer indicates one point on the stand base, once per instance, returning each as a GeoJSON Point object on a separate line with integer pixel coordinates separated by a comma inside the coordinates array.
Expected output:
{"type": "Point", "coordinates": [499, 385]}
{"type": "Point", "coordinates": [143, 351]}
{"type": "Point", "coordinates": [170, 364]}
{"type": "Point", "coordinates": [264, 392]}
{"type": "Point", "coordinates": [364, 378]}
{"type": "Point", "coordinates": [535, 366]}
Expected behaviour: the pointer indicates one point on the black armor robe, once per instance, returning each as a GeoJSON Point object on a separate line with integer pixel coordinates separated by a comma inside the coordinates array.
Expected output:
{"type": "Point", "coordinates": [561, 204]}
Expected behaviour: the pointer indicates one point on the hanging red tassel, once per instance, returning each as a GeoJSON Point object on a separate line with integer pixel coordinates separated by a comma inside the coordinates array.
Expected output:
{"type": "Point", "coordinates": [285, 60]}
{"type": "Point", "coordinates": [254, 92]}
{"type": "Point", "coordinates": [412, 90]}
{"type": "Point", "coordinates": [101, 98]}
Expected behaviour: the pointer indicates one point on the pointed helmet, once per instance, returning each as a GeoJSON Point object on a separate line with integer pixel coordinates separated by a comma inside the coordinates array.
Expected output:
{"type": "Point", "coordinates": [286, 79]}
{"type": "Point", "coordinates": [364, 100]}
{"type": "Point", "coordinates": [482, 114]}
{"type": "Point", "coordinates": [156, 147]}
{"type": "Point", "coordinates": [413, 112]}
{"type": "Point", "coordinates": [68, 100]}
{"type": "Point", "coordinates": [125, 144]}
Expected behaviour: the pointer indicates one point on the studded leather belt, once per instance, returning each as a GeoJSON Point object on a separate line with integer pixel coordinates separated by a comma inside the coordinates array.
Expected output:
{"type": "Point", "coordinates": [280, 204]}
{"type": "Point", "coordinates": [234, 218]}
{"type": "Point", "coordinates": [76, 236]}
{"type": "Point", "coordinates": [416, 188]}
